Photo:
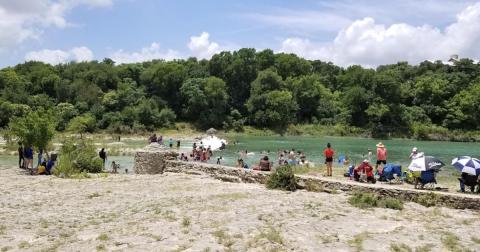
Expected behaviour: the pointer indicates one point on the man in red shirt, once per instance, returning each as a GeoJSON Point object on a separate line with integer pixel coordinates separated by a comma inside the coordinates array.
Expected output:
{"type": "Point", "coordinates": [364, 168]}
{"type": "Point", "coordinates": [328, 152]}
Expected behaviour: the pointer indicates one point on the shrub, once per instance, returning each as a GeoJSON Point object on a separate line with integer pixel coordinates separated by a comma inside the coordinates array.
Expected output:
{"type": "Point", "coordinates": [76, 158]}
{"type": "Point", "coordinates": [64, 167]}
{"type": "Point", "coordinates": [427, 200]}
{"type": "Point", "coordinates": [369, 200]}
{"type": "Point", "coordinates": [391, 203]}
{"type": "Point", "coordinates": [282, 178]}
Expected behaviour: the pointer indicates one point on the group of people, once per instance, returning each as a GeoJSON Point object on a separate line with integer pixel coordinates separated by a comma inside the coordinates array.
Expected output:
{"type": "Point", "coordinates": [44, 165]}
{"type": "Point", "coordinates": [154, 139]}
{"type": "Point", "coordinates": [200, 153]}
{"type": "Point", "coordinates": [364, 171]}
{"type": "Point", "coordinates": [292, 157]}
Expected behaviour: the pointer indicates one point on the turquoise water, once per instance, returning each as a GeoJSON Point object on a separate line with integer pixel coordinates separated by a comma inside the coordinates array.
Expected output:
{"type": "Point", "coordinates": [355, 148]}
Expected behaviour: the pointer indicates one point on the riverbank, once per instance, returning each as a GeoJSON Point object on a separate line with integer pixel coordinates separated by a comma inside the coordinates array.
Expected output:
{"type": "Point", "coordinates": [175, 212]}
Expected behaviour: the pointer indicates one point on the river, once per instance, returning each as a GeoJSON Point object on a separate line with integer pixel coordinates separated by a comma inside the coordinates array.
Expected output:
{"type": "Point", "coordinates": [355, 148]}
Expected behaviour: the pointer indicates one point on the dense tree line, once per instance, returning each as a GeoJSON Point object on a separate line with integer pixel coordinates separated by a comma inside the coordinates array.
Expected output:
{"type": "Point", "coordinates": [244, 87]}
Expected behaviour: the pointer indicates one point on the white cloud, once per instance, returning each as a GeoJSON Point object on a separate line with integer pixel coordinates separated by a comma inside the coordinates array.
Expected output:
{"type": "Point", "coordinates": [368, 43]}
{"type": "Point", "coordinates": [324, 17]}
{"type": "Point", "coordinates": [202, 47]}
{"type": "Point", "coordinates": [151, 52]}
{"type": "Point", "coordinates": [81, 54]}
{"type": "Point", "coordinates": [21, 20]}
{"type": "Point", "coordinates": [302, 21]}
{"type": "Point", "coordinates": [55, 57]}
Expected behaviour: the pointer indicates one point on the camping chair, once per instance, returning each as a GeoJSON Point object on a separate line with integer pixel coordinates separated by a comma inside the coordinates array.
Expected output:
{"type": "Point", "coordinates": [349, 172]}
{"type": "Point", "coordinates": [471, 181]}
{"type": "Point", "coordinates": [427, 178]}
{"type": "Point", "coordinates": [392, 173]}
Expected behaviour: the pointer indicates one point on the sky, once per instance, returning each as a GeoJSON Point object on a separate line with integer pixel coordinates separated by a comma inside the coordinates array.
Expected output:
{"type": "Point", "coordinates": [345, 32]}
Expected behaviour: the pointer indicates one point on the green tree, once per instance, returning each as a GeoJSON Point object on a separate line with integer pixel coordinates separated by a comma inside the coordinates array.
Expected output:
{"type": "Point", "coordinates": [270, 105]}
{"type": "Point", "coordinates": [164, 79]}
{"type": "Point", "coordinates": [315, 101]}
{"type": "Point", "coordinates": [82, 124]}
{"type": "Point", "coordinates": [37, 128]}
{"type": "Point", "coordinates": [205, 101]}
{"type": "Point", "coordinates": [290, 65]}
{"type": "Point", "coordinates": [464, 109]}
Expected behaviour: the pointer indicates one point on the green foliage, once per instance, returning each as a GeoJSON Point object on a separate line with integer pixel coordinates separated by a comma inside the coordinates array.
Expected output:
{"type": "Point", "coordinates": [282, 178]}
{"type": "Point", "coordinates": [427, 199]}
{"type": "Point", "coordinates": [82, 124]}
{"type": "Point", "coordinates": [402, 247]}
{"type": "Point", "coordinates": [369, 200]}
{"type": "Point", "coordinates": [78, 157]}
{"type": "Point", "coordinates": [243, 88]}
{"type": "Point", "coordinates": [37, 128]}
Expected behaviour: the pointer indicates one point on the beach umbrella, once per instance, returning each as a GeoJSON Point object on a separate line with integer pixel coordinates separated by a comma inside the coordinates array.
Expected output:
{"type": "Point", "coordinates": [467, 164]}
{"type": "Point", "coordinates": [211, 131]}
{"type": "Point", "coordinates": [425, 163]}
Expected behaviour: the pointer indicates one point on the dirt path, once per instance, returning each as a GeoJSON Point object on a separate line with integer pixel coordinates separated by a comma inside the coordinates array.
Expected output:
{"type": "Point", "coordinates": [176, 212]}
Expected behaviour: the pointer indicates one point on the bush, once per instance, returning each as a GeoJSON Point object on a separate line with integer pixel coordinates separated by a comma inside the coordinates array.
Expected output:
{"type": "Point", "coordinates": [427, 200]}
{"type": "Point", "coordinates": [369, 200]}
{"type": "Point", "coordinates": [282, 178]}
{"type": "Point", "coordinates": [76, 158]}
{"type": "Point", "coordinates": [64, 167]}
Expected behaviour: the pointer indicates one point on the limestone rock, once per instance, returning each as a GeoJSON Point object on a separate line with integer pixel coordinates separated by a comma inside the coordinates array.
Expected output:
{"type": "Point", "coordinates": [152, 159]}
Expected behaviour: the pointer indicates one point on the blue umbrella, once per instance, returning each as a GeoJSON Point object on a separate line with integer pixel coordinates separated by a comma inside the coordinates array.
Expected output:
{"type": "Point", "coordinates": [467, 164]}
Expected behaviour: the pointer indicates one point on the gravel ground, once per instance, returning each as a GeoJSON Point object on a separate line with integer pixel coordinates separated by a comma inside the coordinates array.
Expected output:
{"type": "Point", "coordinates": [178, 212]}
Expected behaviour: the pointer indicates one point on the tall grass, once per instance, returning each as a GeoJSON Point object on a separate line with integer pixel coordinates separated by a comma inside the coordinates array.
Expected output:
{"type": "Point", "coordinates": [65, 167]}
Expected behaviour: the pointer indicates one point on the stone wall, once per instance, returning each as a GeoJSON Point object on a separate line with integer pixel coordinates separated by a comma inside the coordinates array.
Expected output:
{"type": "Point", "coordinates": [155, 160]}
{"type": "Point", "coordinates": [453, 200]}
{"type": "Point", "coordinates": [324, 184]}
{"type": "Point", "coordinates": [217, 171]}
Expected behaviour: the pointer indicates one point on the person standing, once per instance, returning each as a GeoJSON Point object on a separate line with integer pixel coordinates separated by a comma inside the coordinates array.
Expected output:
{"type": "Point", "coordinates": [381, 155]}
{"type": "Point", "coordinates": [170, 143]}
{"type": "Point", "coordinates": [178, 144]}
{"type": "Point", "coordinates": [29, 156]}
{"type": "Point", "coordinates": [103, 155]}
{"type": "Point", "coordinates": [40, 157]}
{"type": "Point", "coordinates": [328, 152]}
{"type": "Point", "coordinates": [21, 157]}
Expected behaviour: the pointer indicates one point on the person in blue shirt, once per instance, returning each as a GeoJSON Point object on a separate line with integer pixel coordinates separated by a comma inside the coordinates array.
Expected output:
{"type": "Point", "coordinates": [40, 157]}
{"type": "Point", "coordinates": [50, 165]}
{"type": "Point", "coordinates": [29, 156]}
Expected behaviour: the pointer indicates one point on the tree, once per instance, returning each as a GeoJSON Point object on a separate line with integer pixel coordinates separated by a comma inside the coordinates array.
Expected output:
{"type": "Point", "coordinates": [82, 124]}
{"type": "Point", "coordinates": [464, 109]}
{"type": "Point", "coordinates": [430, 93]}
{"type": "Point", "coordinates": [277, 112]}
{"type": "Point", "coordinates": [290, 65]}
{"type": "Point", "coordinates": [205, 101]}
{"type": "Point", "coordinates": [164, 79]}
{"type": "Point", "coordinates": [37, 128]}
{"type": "Point", "coordinates": [270, 105]}
{"type": "Point", "coordinates": [315, 101]}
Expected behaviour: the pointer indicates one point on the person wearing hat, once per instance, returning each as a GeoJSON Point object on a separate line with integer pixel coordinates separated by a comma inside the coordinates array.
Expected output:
{"type": "Point", "coordinates": [381, 155]}
{"type": "Point", "coordinates": [414, 153]}
{"type": "Point", "coordinates": [364, 168]}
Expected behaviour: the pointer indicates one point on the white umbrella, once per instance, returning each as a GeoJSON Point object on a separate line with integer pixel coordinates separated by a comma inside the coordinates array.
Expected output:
{"type": "Point", "coordinates": [425, 163]}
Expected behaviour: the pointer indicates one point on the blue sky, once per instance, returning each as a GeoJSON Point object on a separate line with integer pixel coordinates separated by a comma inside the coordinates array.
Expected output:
{"type": "Point", "coordinates": [346, 32]}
